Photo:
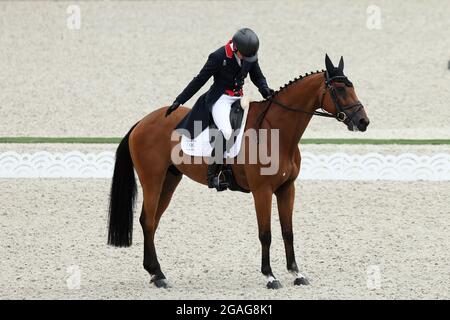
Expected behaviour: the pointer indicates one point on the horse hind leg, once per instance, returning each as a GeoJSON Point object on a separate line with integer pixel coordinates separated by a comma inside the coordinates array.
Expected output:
{"type": "Point", "coordinates": [156, 200]}
{"type": "Point", "coordinates": [148, 224]}
{"type": "Point", "coordinates": [170, 184]}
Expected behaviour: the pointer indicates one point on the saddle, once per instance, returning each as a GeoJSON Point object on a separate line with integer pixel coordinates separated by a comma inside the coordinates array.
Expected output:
{"type": "Point", "coordinates": [236, 115]}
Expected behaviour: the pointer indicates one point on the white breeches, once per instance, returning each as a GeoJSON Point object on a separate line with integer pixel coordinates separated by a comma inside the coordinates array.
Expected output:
{"type": "Point", "coordinates": [221, 114]}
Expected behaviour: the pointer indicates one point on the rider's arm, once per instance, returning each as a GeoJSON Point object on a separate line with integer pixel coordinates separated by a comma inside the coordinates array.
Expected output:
{"type": "Point", "coordinates": [257, 77]}
{"type": "Point", "coordinates": [211, 66]}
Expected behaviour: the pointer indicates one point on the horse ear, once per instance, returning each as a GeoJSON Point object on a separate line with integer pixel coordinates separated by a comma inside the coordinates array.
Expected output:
{"type": "Point", "coordinates": [341, 64]}
{"type": "Point", "coordinates": [328, 64]}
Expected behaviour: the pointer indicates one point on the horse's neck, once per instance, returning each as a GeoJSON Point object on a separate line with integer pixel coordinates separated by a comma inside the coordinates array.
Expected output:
{"type": "Point", "coordinates": [291, 125]}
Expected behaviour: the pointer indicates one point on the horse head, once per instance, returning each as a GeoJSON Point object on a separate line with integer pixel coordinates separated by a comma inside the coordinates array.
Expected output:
{"type": "Point", "coordinates": [339, 98]}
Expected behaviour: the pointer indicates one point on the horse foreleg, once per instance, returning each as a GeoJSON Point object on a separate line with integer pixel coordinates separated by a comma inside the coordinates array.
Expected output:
{"type": "Point", "coordinates": [285, 201]}
{"type": "Point", "coordinates": [263, 206]}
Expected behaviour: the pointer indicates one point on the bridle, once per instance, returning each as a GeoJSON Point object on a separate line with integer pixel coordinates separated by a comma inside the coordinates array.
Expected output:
{"type": "Point", "coordinates": [340, 115]}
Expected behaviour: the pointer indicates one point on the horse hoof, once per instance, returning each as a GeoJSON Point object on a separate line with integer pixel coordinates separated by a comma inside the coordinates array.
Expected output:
{"type": "Point", "coordinates": [301, 282]}
{"type": "Point", "coordinates": [161, 283]}
{"type": "Point", "coordinates": [274, 284]}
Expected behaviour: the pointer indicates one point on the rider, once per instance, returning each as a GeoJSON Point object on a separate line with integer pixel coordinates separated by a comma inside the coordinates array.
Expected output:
{"type": "Point", "coordinates": [229, 65]}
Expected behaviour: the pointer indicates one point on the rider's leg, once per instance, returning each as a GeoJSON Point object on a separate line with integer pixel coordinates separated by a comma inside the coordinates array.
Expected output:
{"type": "Point", "coordinates": [221, 116]}
{"type": "Point", "coordinates": [216, 160]}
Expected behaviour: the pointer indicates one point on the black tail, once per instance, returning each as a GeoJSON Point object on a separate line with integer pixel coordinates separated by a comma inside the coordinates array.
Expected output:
{"type": "Point", "coordinates": [123, 194]}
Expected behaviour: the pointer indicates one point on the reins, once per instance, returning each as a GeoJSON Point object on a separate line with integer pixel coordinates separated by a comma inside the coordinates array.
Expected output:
{"type": "Point", "coordinates": [314, 113]}
{"type": "Point", "coordinates": [340, 115]}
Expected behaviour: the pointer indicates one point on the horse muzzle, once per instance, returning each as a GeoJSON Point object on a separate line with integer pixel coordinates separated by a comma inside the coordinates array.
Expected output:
{"type": "Point", "coordinates": [362, 124]}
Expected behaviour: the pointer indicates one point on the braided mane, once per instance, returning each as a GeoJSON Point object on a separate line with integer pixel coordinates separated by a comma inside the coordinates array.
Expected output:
{"type": "Point", "coordinates": [299, 78]}
{"type": "Point", "coordinates": [286, 85]}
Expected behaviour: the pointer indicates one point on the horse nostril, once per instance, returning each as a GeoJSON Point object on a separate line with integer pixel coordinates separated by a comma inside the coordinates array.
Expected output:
{"type": "Point", "coordinates": [363, 123]}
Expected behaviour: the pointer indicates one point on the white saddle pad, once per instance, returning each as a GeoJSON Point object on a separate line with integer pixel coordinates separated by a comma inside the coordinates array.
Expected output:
{"type": "Point", "coordinates": [201, 147]}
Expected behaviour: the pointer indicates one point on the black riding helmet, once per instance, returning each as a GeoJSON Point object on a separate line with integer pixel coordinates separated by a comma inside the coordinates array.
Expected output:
{"type": "Point", "coordinates": [247, 42]}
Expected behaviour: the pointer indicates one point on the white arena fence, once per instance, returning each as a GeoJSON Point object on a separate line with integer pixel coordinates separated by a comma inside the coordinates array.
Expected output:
{"type": "Point", "coordinates": [337, 166]}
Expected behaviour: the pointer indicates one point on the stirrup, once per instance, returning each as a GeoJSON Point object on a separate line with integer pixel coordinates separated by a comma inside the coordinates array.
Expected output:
{"type": "Point", "coordinates": [215, 182]}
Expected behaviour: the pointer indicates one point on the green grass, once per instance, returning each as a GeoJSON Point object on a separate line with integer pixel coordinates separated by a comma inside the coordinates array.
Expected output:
{"type": "Point", "coordinates": [59, 140]}
{"type": "Point", "coordinates": [377, 141]}
{"type": "Point", "coordinates": [115, 140]}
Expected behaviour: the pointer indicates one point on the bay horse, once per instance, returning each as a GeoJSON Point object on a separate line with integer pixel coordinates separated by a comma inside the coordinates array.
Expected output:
{"type": "Point", "coordinates": [147, 149]}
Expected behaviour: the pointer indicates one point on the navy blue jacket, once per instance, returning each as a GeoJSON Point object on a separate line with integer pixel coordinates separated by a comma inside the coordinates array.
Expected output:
{"type": "Point", "coordinates": [228, 75]}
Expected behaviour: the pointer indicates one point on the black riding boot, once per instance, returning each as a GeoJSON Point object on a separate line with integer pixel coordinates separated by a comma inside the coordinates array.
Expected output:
{"type": "Point", "coordinates": [214, 170]}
